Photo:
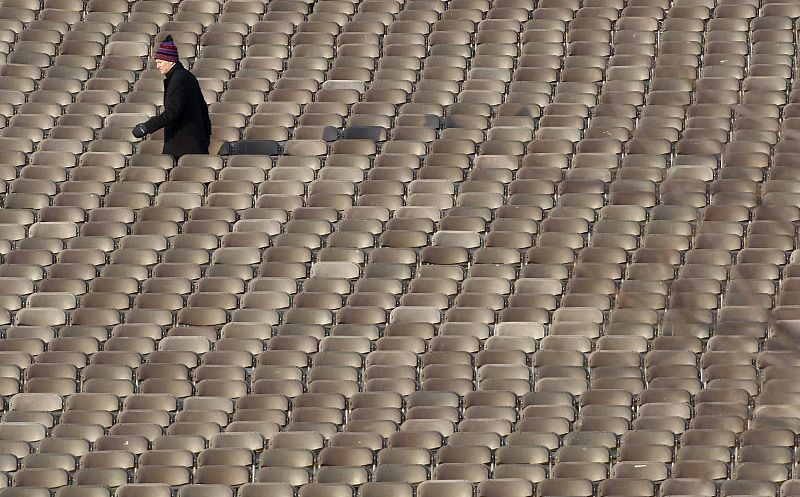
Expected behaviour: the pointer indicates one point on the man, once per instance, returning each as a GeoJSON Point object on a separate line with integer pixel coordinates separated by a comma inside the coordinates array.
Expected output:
{"type": "Point", "coordinates": [187, 127]}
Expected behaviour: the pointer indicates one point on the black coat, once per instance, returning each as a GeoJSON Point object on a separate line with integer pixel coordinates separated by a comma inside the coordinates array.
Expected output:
{"type": "Point", "coordinates": [187, 127]}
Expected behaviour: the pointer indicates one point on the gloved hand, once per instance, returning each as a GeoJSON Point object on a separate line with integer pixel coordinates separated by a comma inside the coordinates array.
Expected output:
{"type": "Point", "coordinates": [139, 131]}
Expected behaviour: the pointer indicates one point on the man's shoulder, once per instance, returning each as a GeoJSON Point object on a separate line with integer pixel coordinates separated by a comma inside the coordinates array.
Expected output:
{"type": "Point", "coordinates": [186, 76]}
{"type": "Point", "coordinates": [181, 72]}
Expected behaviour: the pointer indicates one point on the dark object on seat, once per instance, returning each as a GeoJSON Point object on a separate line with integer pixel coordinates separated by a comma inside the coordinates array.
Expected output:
{"type": "Point", "coordinates": [250, 147]}
{"type": "Point", "coordinates": [373, 133]}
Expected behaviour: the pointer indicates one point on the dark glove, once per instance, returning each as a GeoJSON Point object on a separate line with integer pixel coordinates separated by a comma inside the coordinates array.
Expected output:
{"type": "Point", "coordinates": [139, 131]}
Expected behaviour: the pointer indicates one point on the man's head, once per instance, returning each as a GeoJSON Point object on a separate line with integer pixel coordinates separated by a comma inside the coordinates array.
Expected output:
{"type": "Point", "coordinates": [166, 55]}
{"type": "Point", "coordinates": [164, 66]}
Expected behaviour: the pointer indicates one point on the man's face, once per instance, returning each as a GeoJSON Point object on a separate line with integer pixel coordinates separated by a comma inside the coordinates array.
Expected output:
{"type": "Point", "coordinates": [164, 66]}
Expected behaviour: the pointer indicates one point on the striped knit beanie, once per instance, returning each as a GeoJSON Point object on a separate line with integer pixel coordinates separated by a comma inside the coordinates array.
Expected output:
{"type": "Point", "coordinates": [167, 50]}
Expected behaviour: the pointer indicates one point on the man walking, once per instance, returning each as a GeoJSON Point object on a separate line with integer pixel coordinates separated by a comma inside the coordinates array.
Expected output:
{"type": "Point", "coordinates": [187, 127]}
